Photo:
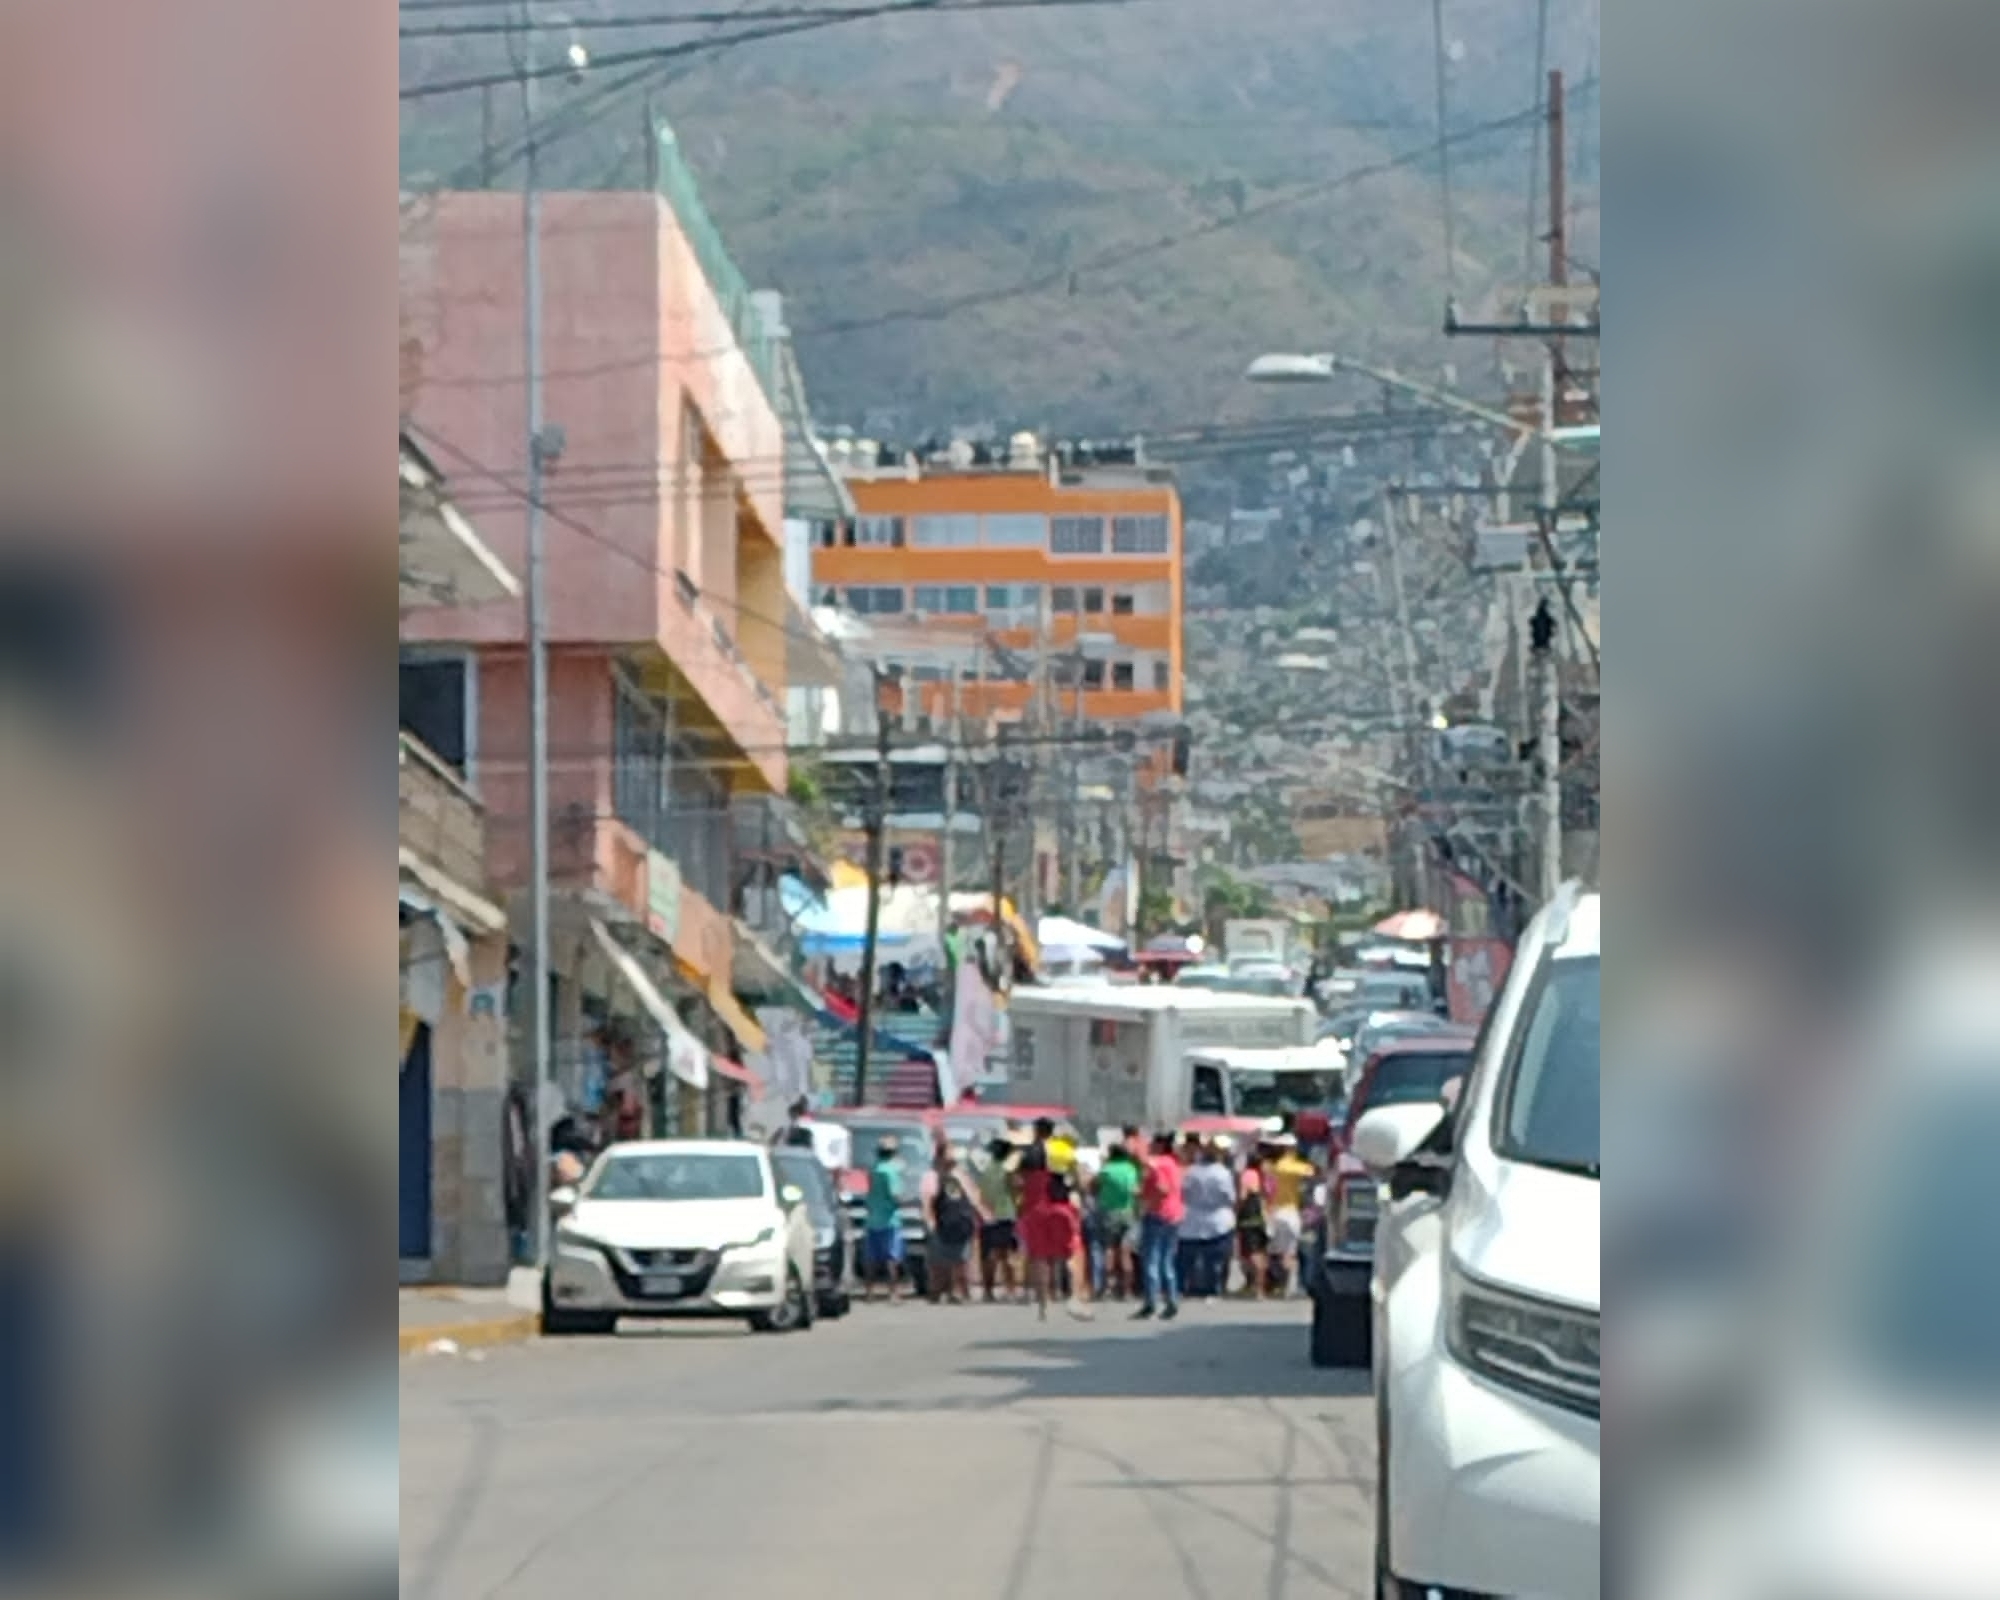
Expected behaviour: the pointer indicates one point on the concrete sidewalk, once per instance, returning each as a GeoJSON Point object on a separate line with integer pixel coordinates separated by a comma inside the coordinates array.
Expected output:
{"type": "Point", "coordinates": [468, 1318]}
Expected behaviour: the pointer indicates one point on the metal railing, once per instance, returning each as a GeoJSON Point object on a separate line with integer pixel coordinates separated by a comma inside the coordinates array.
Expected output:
{"type": "Point", "coordinates": [725, 278]}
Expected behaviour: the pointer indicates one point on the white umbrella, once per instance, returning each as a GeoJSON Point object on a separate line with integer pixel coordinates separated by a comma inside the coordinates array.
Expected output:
{"type": "Point", "coordinates": [1066, 934]}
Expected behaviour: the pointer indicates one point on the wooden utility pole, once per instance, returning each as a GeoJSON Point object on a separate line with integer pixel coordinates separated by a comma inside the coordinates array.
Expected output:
{"type": "Point", "coordinates": [878, 851]}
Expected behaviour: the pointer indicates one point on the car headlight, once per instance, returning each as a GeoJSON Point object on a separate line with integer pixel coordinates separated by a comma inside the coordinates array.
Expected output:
{"type": "Point", "coordinates": [763, 1238]}
{"type": "Point", "coordinates": [1534, 1346]}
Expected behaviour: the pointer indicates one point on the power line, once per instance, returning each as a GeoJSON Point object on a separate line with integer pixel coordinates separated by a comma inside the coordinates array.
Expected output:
{"type": "Point", "coordinates": [796, 20]}
{"type": "Point", "coordinates": [683, 19]}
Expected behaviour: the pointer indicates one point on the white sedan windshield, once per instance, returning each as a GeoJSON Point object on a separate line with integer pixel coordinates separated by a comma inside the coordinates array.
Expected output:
{"type": "Point", "coordinates": [677, 1175]}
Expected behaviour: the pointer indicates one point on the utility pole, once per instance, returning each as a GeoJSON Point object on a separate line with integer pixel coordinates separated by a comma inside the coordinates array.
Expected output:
{"type": "Point", "coordinates": [878, 850]}
{"type": "Point", "coordinates": [538, 644]}
{"type": "Point", "coordinates": [996, 831]}
{"type": "Point", "coordinates": [1072, 806]}
{"type": "Point", "coordinates": [1548, 687]}
{"type": "Point", "coordinates": [951, 799]}
{"type": "Point", "coordinates": [1558, 221]}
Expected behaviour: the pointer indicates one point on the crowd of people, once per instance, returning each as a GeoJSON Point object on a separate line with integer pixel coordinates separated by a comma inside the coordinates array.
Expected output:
{"type": "Point", "coordinates": [1045, 1218]}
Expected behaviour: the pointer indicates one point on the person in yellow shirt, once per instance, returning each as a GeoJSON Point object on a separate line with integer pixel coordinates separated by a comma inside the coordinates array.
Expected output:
{"type": "Point", "coordinates": [1289, 1176]}
{"type": "Point", "coordinates": [1062, 1151]}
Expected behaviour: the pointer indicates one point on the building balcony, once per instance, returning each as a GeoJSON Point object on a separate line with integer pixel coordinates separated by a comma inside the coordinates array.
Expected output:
{"type": "Point", "coordinates": [437, 816]}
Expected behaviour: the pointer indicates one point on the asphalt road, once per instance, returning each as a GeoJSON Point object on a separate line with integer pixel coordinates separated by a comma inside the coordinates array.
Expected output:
{"type": "Point", "coordinates": [907, 1453]}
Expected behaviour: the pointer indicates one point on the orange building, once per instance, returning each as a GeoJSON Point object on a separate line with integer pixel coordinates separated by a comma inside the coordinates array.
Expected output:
{"type": "Point", "coordinates": [992, 582]}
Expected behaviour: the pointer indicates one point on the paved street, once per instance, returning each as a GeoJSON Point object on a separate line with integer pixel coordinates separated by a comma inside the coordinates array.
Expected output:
{"type": "Point", "coordinates": [933, 1453]}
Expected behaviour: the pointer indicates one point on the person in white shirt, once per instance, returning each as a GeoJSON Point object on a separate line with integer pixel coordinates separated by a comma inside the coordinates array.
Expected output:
{"type": "Point", "coordinates": [1208, 1191]}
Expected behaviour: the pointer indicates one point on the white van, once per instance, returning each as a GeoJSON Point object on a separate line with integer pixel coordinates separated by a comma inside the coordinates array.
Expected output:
{"type": "Point", "coordinates": [1485, 1294]}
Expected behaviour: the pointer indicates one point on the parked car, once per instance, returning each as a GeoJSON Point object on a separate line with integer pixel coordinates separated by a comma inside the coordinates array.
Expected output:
{"type": "Point", "coordinates": [833, 1234]}
{"type": "Point", "coordinates": [916, 1142]}
{"type": "Point", "coordinates": [680, 1228]}
{"type": "Point", "coordinates": [1486, 1294]}
{"type": "Point", "coordinates": [1407, 1069]}
{"type": "Point", "coordinates": [1383, 1027]}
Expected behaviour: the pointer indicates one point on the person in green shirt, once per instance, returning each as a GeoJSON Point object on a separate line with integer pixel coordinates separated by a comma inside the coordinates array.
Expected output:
{"type": "Point", "coordinates": [1118, 1216]}
{"type": "Point", "coordinates": [883, 1246]}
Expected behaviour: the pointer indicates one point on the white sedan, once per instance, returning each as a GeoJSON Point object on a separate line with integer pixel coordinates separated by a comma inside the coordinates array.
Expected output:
{"type": "Point", "coordinates": [679, 1228]}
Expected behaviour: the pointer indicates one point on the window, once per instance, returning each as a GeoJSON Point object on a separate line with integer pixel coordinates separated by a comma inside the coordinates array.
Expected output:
{"type": "Point", "coordinates": [1150, 599]}
{"type": "Point", "coordinates": [638, 763]}
{"type": "Point", "coordinates": [678, 1176]}
{"type": "Point", "coordinates": [958, 600]}
{"type": "Point", "coordinates": [1062, 600]}
{"type": "Point", "coordinates": [1093, 602]}
{"type": "Point", "coordinates": [875, 601]}
{"type": "Point", "coordinates": [827, 597]}
{"type": "Point", "coordinates": [826, 533]}
{"type": "Point", "coordinates": [1121, 602]}
{"type": "Point", "coordinates": [432, 703]}
{"type": "Point", "coordinates": [938, 532]}
{"type": "Point", "coordinates": [1205, 1092]}
{"type": "Point", "coordinates": [1121, 674]}
{"type": "Point", "coordinates": [1139, 536]}
{"type": "Point", "coordinates": [1076, 536]}
{"type": "Point", "coordinates": [1162, 675]}
{"type": "Point", "coordinates": [1093, 674]}
{"type": "Point", "coordinates": [1013, 599]}
{"type": "Point", "coordinates": [884, 533]}
{"type": "Point", "coordinates": [1017, 528]}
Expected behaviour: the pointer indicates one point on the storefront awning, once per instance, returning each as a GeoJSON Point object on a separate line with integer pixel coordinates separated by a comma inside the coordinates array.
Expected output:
{"type": "Point", "coordinates": [453, 936]}
{"type": "Point", "coordinates": [687, 1057]}
{"type": "Point", "coordinates": [473, 909]}
{"type": "Point", "coordinates": [739, 1021]}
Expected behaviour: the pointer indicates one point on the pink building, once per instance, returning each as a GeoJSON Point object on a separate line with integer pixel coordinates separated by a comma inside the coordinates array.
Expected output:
{"type": "Point", "coordinates": [665, 575]}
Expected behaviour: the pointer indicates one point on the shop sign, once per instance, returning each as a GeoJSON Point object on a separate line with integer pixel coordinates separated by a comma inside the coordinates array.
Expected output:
{"type": "Point", "coordinates": [663, 896]}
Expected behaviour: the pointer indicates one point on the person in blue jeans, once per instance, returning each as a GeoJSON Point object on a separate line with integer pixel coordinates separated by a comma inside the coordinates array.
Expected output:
{"type": "Point", "coordinates": [1161, 1210]}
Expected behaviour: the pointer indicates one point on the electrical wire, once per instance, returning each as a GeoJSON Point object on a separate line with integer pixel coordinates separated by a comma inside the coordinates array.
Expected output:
{"type": "Point", "coordinates": [797, 19]}
{"type": "Point", "coordinates": [684, 19]}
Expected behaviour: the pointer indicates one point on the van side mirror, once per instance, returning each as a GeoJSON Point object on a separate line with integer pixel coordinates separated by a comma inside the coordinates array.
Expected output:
{"type": "Point", "coordinates": [791, 1197]}
{"type": "Point", "coordinates": [562, 1200]}
{"type": "Point", "coordinates": [1388, 1136]}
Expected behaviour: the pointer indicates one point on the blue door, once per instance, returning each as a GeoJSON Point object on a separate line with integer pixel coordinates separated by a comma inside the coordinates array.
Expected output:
{"type": "Point", "coordinates": [413, 1156]}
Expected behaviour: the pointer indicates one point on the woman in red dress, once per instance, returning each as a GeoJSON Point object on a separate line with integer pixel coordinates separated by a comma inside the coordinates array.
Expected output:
{"type": "Point", "coordinates": [1049, 1230]}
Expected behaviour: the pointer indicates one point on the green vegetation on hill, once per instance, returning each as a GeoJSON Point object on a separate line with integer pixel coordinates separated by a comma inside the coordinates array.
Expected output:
{"type": "Point", "coordinates": [948, 190]}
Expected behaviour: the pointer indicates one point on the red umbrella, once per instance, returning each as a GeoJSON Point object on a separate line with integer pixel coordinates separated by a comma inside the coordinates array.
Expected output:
{"type": "Point", "coordinates": [1417, 925]}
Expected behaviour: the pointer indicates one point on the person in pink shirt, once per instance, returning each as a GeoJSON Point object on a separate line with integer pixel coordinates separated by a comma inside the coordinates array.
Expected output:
{"type": "Point", "coordinates": [1161, 1210]}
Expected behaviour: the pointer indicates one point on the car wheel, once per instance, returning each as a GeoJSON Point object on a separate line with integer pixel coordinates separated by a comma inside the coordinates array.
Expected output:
{"type": "Point", "coordinates": [1339, 1331]}
{"type": "Point", "coordinates": [791, 1314]}
{"type": "Point", "coordinates": [556, 1323]}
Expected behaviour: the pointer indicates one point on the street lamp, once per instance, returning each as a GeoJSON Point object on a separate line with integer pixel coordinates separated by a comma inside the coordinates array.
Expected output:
{"type": "Point", "coordinates": [1289, 367]}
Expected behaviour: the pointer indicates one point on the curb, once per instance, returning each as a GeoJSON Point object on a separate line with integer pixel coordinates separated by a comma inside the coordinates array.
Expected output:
{"type": "Point", "coordinates": [468, 1335]}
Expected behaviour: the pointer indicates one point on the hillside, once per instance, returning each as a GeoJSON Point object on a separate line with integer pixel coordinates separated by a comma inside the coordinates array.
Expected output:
{"type": "Point", "coordinates": [1082, 217]}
